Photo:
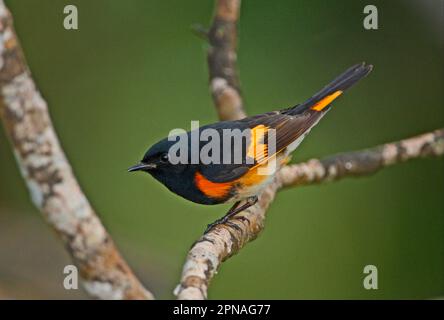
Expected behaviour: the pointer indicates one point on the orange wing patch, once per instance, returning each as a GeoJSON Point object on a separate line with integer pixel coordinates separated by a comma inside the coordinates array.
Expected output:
{"type": "Point", "coordinates": [212, 189]}
{"type": "Point", "coordinates": [257, 149]}
{"type": "Point", "coordinates": [326, 101]}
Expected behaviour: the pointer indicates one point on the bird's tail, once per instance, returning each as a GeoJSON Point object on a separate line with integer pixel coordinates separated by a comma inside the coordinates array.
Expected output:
{"type": "Point", "coordinates": [321, 100]}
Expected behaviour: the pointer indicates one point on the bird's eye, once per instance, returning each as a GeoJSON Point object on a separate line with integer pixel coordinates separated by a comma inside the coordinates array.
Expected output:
{"type": "Point", "coordinates": [164, 157]}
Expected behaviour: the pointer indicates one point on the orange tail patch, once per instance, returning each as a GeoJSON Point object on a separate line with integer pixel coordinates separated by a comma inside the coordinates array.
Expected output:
{"type": "Point", "coordinates": [326, 101]}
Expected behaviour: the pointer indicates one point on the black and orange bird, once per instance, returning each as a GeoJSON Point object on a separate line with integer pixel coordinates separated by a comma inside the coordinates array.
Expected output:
{"type": "Point", "coordinates": [243, 181]}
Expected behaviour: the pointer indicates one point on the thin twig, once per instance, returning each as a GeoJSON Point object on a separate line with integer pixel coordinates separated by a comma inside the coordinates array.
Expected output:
{"type": "Point", "coordinates": [364, 162]}
{"type": "Point", "coordinates": [222, 56]}
{"type": "Point", "coordinates": [50, 180]}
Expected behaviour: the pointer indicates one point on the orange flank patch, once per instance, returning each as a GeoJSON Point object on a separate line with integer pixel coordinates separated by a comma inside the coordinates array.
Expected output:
{"type": "Point", "coordinates": [326, 101]}
{"type": "Point", "coordinates": [257, 149]}
{"type": "Point", "coordinates": [219, 190]}
{"type": "Point", "coordinates": [252, 177]}
{"type": "Point", "coordinates": [212, 189]}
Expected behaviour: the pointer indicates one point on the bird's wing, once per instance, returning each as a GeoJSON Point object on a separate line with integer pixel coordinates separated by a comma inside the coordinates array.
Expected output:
{"type": "Point", "coordinates": [258, 147]}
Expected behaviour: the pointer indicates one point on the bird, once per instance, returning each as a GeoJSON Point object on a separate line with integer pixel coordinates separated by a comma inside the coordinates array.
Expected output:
{"type": "Point", "coordinates": [270, 137]}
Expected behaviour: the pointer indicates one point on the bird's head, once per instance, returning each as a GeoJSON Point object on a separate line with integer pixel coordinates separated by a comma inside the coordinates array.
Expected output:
{"type": "Point", "coordinates": [156, 159]}
{"type": "Point", "coordinates": [159, 163]}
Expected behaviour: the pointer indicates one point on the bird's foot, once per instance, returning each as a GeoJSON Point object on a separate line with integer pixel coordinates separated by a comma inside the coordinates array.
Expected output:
{"type": "Point", "coordinates": [232, 212]}
{"type": "Point", "coordinates": [215, 223]}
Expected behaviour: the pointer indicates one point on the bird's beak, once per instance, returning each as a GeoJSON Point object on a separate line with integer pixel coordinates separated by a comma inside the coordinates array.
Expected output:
{"type": "Point", "coordinates": [142, 166]}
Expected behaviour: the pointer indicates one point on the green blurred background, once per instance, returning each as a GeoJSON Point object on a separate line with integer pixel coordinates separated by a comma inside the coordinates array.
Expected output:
{"type": "Point", "coordinates": [134, 70]}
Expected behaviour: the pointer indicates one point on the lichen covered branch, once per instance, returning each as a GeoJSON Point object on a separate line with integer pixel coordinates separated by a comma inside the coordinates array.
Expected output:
{"type": "Point", "coordinates": [222, 56]}
{"type": "Point", "coordinates": [50, 180]}
{"type": "Point", "coordinates": [364, 162]}
{"type": "Point", "coordinates": [220, 243]}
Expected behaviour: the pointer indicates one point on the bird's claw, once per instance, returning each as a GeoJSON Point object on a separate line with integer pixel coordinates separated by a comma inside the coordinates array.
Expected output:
{"type": "Point", "coordinates": [232, 212]}
{"type": "Point", "coordinates": [215, 223]}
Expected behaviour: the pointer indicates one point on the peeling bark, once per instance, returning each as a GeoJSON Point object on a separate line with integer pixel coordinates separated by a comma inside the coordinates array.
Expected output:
{"type": "Point", "coordinates": [52, 185]}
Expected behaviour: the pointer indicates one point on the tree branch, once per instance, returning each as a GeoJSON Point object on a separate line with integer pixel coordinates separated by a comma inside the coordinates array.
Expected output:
{"type": "Point", "coordinates": [364, 162]}
{"type": "Point", "coordinates": [220, 243]}
{"type": "Point", "coordinates": [225, 240]}
{"type": "Point", "coordinates": [222, 56]}
{"type": "Point", "coordinates": [50, 180]}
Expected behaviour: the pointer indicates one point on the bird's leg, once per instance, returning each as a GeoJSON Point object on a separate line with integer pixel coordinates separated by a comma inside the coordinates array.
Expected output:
{"type": "Point", "coordinates": [224, 218]}
{"type": "Point", "coordinates": [235, 209]}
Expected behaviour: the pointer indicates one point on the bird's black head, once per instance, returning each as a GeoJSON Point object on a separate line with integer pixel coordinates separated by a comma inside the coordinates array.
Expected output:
{"type": "Point", "coordinates": [157, 159]}
{"type": "Point", "coordinates": [177, 177]}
